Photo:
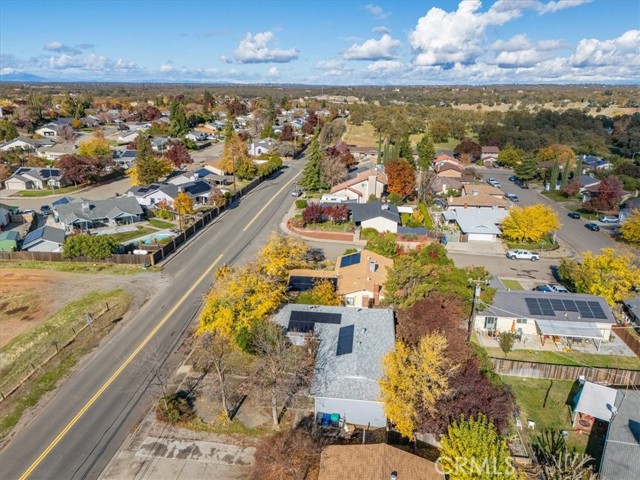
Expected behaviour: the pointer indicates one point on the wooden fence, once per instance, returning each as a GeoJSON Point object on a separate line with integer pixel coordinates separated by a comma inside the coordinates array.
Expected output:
{"type": "Point", "coordinates": [629, 337]}
{"type": "Point", "coordinates": [609, 376]}
{"type": "Point", "coordinates": [153, 257]}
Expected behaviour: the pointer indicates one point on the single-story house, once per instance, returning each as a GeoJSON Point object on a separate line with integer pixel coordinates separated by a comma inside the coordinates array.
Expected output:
{"type": "Point", "coordinates": [124, 158]}
{"type": "Point", "coordinates": [200, 174]}
{"type": "Point", "coordinates": [21, 142]}
{"type": "Point", "coordinates": [489, 155]}
{"type": "Point", "coordinates": [196, 136]}
{"type": "Point", "coordinates": [258, 148]}
{"type": "Point", "coordinates": [476, 201]}
{"type": "Point", "coordinates": [443, 159]}
{"type": "Point", "coordinates": [560, 317]}
{"type": "Point", "coordinates": [590, 162]}
{"type": "Point", "coordinates": [592, 402]}
{"type": "Point", "coordinates": [83, 214]}
{"type": "Point", "coordinates": [482, 189]}
{"type": "Point", "coordinates": [31, 177]}
{"type": "Point", "coordinates": [587, 181]}
{"type": "Point", "coordinates": [374, 462]}
{"type": "Point", "coordinates": [479, 224]}
{"type": "Point", "coordinates": [382, 216]}
{"type": "Point", "coordinates": [44, 239]}
{"type": "Point", "coordinates": [127, 136]}
{"type": "Point", "coordinates": [352, 345]}
{"type": "Point", "coordinates": [159, 144]}
{"type": "Point", "coordinates": [361, 278]}
{"type": "Point", "coordinates": [5, 212]}
{"type": "Point", "coordinates": [56, 151]}
{"type": "Point", "coordinates": [360, 153]}
{"type": "Point", "coordinates": [365, 184]}
{"type": "Point", "coordinates": [447, 170]}
{"type": "Point", "coordinates": [442, 185]}
{"type": "Point", "coordinates": [630, 205]}
{"type": "Point", "coordinates": [48, 130]}
{"type": "Point", "coordinates": [199, 191]}
{"type": "Point", "coordinates": [622, 444]}
{"type": "Point", "coordinates": [9, 241]}
{"type": "Point", "coordinates": [216, 167]}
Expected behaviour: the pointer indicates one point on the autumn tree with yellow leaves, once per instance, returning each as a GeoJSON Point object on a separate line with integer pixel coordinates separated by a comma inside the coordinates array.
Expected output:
{"type": "Point", "coordinates": [97, 147]}
{"type": "Point", "coordinates": [630, 228]}
{"type": "Point", "coordinates": [530, 224]}
{"type": "Point", "coordinates": [414, 379]}
{"type": "Point", "coordinates": [182, 205]}
{"type": "Point", "coordinates": [148, 168]}
{"type": "Point", "coordinates": [235, 158]}
{"type": "Point", "coordinates": [240, 299]}
{"type": "Point", "coordinates": [609, 275]}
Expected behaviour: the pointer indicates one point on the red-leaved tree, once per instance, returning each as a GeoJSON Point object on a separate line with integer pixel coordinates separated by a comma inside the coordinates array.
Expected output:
{"type": "Point", "coordinates": [314, 213]}
{"type": "Point", "coordinates": [287, 133]}
{"type": "Point", "coordinates": [178, 154]}
{"type": "Point", "coordinates": [400, 177]}
{"type": "Point", "coordinates": [608, 196]}
{"type": "Point", "coordinates": [468, 147]}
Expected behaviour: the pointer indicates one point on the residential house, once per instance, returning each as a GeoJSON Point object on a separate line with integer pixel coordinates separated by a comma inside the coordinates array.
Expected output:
{"type": "Point", "coordinates": [44, 239]}
{"type": "Point", "coordinates": [593, 402]}
{"type": "Point", "coordinates": [149, 196]}
{"type": "Point", "coordinates": [447, 170]}
{"type": "Point", "coordinates": [5, 212]}
{"type": "Point", "coordinates": [489, 155]}
{"type": "Point", "coordinates": [478, 224]}
{"type": "Point", "coordinates": [127, 136]}
{"type": "Point", "coordinates": [352, 344]}
{"type": "Point", "coordinates": [441, 160]}
{"type": "Point", "coordinates": [20, 142]}
{"type": "Point", "coordinates": [124, 158]}
{"type": "Point", "coordinates": [362, 153]}
{"type": "Point", "coordinates": [48, 130]}
{"type": "Point", "coordinates": [587, 181]}
{"type": "Point", "coordinates": [159, 144]}
{"type": "Point", "coordinates": [216, 167]}
{"type": "Point", "coordinates": [370, 183]}
{"type": "Point", "coordinates": [622, 444]}
{"type": "Point", "coordinates": [590, 162]}
{"type": "Point", "coordinates": [382, 216]}
{"type": "Point", "coordinates": [83, 214]}
{"type": "Point", "coordinates": [196, 136]}
{"type": "Point", "coordinates": [476, 201]}
{"type": "Point", "coordinates": [26, 178]}
{"type": "Point", "coordinates": [374, 462]}
{"type": "Point", "coordinates": [482, 189]}
{"type": "Point", "coordinates": [9, 241]}
{"type": "Point", "coordinates": [361, 278]}
{"type": "Point", "coordinates": [632, 309]}
{"type": "Point", "coordinates": [201, 174]}
{"type": "Point", "coordinates": [259, 148]}
{"type": "Point", "coordinates": [442, 185]}
{"type": "Point", "coordinates": [630, 205]}
{"type": "Point", "coordinates": [568, 317]}
{"type": "Point", "coordinates": [303, 279]}
{"type": "Point", "coordinates": [56, 151]}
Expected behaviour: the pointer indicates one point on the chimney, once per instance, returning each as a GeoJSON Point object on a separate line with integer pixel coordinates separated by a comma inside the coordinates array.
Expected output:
{"type": "Point", "coordinates": [86, 207]}
{"type": "Point", "coordinates": [384, 206]}
{"type": "Point", "coordinates": [373, 266]}
{"type": "Point", "coordinates": [180, 189]}
{"type": "Point", "coordinates": [474, 192]}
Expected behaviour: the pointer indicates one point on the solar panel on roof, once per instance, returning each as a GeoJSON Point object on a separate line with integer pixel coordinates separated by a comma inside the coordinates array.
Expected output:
{"type": "Point", "coordinates": [300, 326]}
{"type": "Point", "coordinates": [532, 304]}
{"type": "Point", "coordinates": [597, 310]}
{"type": "Point", "coordinates": [349, 260]}
{"type": "Point", "coordinates": [345, 340]}
{"type": "Point", "coordinates": [570, 306]}
{"type": "Point", "coordinates": [316, 317]}
{"type": "Point", "coordinates": [557, 304]}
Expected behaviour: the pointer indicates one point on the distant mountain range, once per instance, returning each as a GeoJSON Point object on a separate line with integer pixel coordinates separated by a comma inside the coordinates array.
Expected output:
{"type": "Point", "coordinates": [22, 77]}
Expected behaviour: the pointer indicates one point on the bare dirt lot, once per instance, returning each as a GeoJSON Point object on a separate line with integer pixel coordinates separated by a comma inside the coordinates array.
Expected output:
{"type": "Point", "coordinates": [29, 297]}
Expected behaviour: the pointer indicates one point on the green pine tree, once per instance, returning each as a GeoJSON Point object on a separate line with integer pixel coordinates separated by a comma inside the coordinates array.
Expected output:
{"type": "Point", "coordinates": [578, 170]}
{"type": "Point", "coordinates": [426, 152]}
{"type": "Point", "coordinates": [178, 125]}
{"type": "Point", "coordinates": [312, 173]}
{"type": "Point", "coordinates": [404, 149]}
{"type": "Point", "coordinates": [10, 132]}
{"type": "Point", "coordinates": [553, 176]}
{"type": "Point", "coordinates": [565, 173]}
{"type": "Point", "coordinates": [527, 170]}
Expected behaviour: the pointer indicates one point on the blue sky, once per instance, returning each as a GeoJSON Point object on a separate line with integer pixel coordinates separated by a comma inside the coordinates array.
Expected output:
{"type": "Point", "coordinates": [324, 42]}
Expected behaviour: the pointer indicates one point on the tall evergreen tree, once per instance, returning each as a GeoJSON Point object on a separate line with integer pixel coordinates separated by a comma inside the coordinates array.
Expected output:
{"type": "Point", "coordinates": [565, 173]}
{"type": "Point", "coordinates": [10, 132]}
{"type": "Point", "coordinates": [553, 176]}
{"type": "Point", "coordinates": [178, 125]}
{"type": "Point", "coordinates": [578, 170]}
{"type": "Point", "coordinates": [148, 168]}
{"type": "Point", "coordinates": [426, 152]}
{"type": "Point", "coordinates": [312, 178]}
{"type": "Point", "coordinates": [405, 150]}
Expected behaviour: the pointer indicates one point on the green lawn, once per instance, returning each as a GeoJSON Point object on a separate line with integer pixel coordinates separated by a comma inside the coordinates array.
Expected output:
{"type": "Point", "coordinates": [570, 358]}
{"type": "Point", "coordinates": [511, 284]}
{"type": "Point", "coordinates": [332, 227]}
{"type": "Point", "coordinates": [48, 192]}
{"type": "Point", "coordinates": [546, 402]}
{"type": "Point", "coordinates": [126, 236]}
{"type": "Point", "coordinates": [557, 196]}
{"type": "Point", "coordinates": [156, 222]}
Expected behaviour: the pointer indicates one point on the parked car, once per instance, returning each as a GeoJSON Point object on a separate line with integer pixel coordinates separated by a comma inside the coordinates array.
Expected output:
{"type": "Point", "coordinates": [513, 178]}
{"type": "Point", "coordinates": [552, 287]}
{"type": "Point", "coordinates": [494, 183]}
{"type": "Point", "coordinates": [609, 219]}
{"type": "Point", "coordinates": [575, 215]}
{"type": "Point", "coordinates": [513, 197]}
{"type": "Point", "coordinates": [592, 226]}
{"type": "Point", "coordinates": [521, 184]}
{"type": "Point", "coordinates": [523, 255]}
{"type": "Point", "coordinates": [296, 192]}
{"type": "Point", "coordinates": [45, 210]}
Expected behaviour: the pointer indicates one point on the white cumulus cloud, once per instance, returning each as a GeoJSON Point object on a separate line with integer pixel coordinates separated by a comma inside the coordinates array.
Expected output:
{"type": "Point", "coordinates": [333, 68]}
{"type": "Point", "coordinates": [383, 49]}
{"type": "Point", "coordinates": [61, 48]}
{"type": "Point", "coordinates": [273, 72]}
{"type": "Point", "coordinates": [519, 51]}
{"type": "Point", "coordinates": [556, 5]}
{"type": "Point", "coordinates": [255, 49]}
{"type": "Point", "coordinates": [89, 62]}
{"type": "Point", "coordinates": [617, 52]}
{"type": "Point", "coordinates": [166, 68]}
{"type": "Point", "coordinates": [376, 11]}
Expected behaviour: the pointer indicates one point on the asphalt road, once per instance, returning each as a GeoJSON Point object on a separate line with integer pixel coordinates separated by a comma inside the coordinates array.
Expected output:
{"type": "Point", "coordinates": [77, 430]}
{"type": "Point", "coordinates": [573, 232]}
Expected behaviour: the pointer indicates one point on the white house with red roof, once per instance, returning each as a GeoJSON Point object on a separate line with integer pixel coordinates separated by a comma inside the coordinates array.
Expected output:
{"type": "Point", "coordinates": [364, 185]}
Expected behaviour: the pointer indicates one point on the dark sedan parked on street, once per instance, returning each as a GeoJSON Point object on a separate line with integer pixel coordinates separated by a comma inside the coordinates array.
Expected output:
{"type": "Point", "coordinates": [575, 215]}
{"type": "Point", "coordinates": [592, 226]}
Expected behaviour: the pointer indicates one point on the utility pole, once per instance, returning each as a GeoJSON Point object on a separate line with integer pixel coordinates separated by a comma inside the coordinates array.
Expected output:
{"type": "Point", "coordinates": [476, 295]}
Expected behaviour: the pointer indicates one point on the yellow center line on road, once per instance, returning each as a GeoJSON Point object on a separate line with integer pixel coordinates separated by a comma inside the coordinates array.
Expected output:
{"type": "Point", "coordinates": [117, 373]}
{"type": "Point", "coordinates": [148, 338]}
{"type": "Point", "coordinates": [269, 202]}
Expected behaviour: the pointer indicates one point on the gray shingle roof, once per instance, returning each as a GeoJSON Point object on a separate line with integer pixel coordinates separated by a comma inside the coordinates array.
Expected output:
{"type": "Point", "coordinates": [622, 448]}
{"type": "Point", "coordinates": [512, 304]}
{"type": "Point", "coordinates": [366, 211]}
{"type": "Point", "coordinates": [51, 234]}
{"type": "Point", "coordinates": [98, 209]}
{"type": "Point", "coordinates": [353, 375]}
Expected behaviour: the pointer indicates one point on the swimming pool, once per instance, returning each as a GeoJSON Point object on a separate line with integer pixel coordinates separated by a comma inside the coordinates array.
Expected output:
{"type": "Point", "coordinates": [158, 237]}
